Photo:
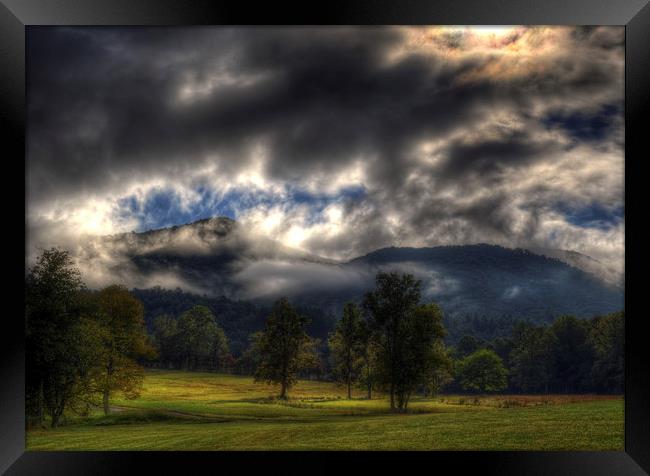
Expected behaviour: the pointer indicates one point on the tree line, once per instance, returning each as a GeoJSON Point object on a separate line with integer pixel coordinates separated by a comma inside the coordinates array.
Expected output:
{"type": "Point", "coordinates": [569, 355]}
{"type": "Point", "coordinates": [375, 345]}
{"type": "Point", "coordinates": [367, 350]}
{"type": "Point", "coordinates": [83, 346]}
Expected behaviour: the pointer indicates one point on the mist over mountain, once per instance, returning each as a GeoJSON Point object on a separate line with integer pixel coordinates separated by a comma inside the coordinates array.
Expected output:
{"type": "Point", "coordinates": [492, 280]}
{"type": "Point", "coordinates": [208, 256]}
{"type": "Point", "coordinates": [586, 263]}
{"type": "Point", "coordinates": [218, 257]}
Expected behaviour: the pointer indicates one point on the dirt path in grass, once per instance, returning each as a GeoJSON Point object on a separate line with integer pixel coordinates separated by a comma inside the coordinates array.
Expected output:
{"type": "Point", "coordinates": [175, 413]}
{"type": "Point", "coordinates": [206, 418]}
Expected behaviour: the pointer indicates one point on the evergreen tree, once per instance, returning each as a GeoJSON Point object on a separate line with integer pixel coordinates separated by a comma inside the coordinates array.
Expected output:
{"type": "Point", "coordinates": [572, 354]}
{"type": "Point", "coordinates": [531, 358]}
{"type": "Point", "coordinates": [607, 339]}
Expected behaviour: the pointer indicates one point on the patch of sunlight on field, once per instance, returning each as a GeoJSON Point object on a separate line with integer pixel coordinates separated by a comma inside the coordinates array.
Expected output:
{"type": "Point", "coordinates": [206, 411]}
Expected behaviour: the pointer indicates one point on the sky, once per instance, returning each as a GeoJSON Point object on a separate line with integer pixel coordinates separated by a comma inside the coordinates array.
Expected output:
{"type": "Point", "coordinates": [336, 141]}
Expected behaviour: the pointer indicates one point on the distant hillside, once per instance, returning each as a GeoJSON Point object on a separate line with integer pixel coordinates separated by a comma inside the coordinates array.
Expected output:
{"type": "Point", "coordinates": [492, 280]}
{"type": "Point", "coordinates": [218, 257]}
{"type": "Point", "coordinates": [586, 263]}
{"type": "Point", "coordinates": [238, 319]}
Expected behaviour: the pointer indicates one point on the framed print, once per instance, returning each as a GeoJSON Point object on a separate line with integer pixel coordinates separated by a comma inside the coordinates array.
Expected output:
{"type": "Point", "coordinates": [388, 233]}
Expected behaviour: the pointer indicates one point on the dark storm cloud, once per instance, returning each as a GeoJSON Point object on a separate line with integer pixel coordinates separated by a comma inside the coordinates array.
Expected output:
{"type": "Point", "coordinates": [111, 101]}
{"type": "Point", "coordinates": [124, 89]}
{"type": "Point", "coordinates": [491, 156]}
{"type": "Point", "coordinates": [453, 136]}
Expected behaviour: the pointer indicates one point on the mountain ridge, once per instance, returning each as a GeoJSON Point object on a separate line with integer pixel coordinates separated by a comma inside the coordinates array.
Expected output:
{"type": "Point", "coordinates": [570, 257]}
{"type": "Point", "coordinates": [219, 256]}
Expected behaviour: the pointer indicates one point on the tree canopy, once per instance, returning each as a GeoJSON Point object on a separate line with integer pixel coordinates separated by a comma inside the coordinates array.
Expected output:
{"type": "Point", "coordinates": [124, 340]}
{"type": "Point", "coordinates": [284, 348]}
{"type": "Point", "coordinates": [346, 345]}
{"type": "Point", "coordinates": [482, 371]}
{"type": "Point", "coordinates": [55, 346]}
{"type": "Point", "coordinates": [405, 332]}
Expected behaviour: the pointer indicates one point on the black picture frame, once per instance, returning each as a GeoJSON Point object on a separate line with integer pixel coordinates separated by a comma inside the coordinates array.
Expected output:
{"type": "Point", "coordinates": [634, 14]}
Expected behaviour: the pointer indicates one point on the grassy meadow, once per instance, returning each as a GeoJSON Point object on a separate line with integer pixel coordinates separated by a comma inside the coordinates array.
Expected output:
{"type": "Point", "coordinates": [207, 411]}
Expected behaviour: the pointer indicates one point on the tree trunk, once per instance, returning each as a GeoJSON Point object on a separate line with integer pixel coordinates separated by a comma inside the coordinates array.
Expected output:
{"type": "Point", "coordinates": [401, 401]}
{"type": "Point", "coordinates": [368, 380]}
{"type": "Point", "coordinates": [105, 400]}
{"type": "Point", "coordinates": [392, 397]}
{"type": "Point", "coordinates": [283, 391]}
{"type": "Point", "coordinates": [349, 388]}
{"type": "Point", "coordinates": [107, 385]}
{"type": "Point", "coordinates": [40, 403]}
{"type": "Point", "coordinates": [57, 412]}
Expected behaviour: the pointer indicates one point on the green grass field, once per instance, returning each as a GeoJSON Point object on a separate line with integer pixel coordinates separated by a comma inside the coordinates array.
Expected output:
{"type": "Point", "coordinates": [205, 411]}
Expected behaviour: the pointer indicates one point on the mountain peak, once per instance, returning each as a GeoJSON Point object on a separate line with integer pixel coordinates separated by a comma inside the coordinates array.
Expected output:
{"type": "Point", "coordinates": [216, 222]}
{"type": "Point", "coordinates": [212, 220]}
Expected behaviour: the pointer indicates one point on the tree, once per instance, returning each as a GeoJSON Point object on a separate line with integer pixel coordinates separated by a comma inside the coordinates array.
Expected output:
{"type": "Point", "coordinates": [467, 345]}
{"type": "Point", "coordinates": [193, 340]}
{"type": "Point", "coordinates": [220, 358]}
{"type": "Point", "coordinates": [53, 355]}
{"type": "Point", "coordinates": [531, 358]}
{"type": "Point", "coordinates": [284, 348]}
{"type": "Point", "coordinates": [502, 346]}
{"type": "Point", "coordinates": [166, 339]}
{"type": "Point", "coordinates": [202, 341]}
{"type": "Point", "coordinates": [405, 333]}
{"type": "Point", "coordinates": [312, 366]}
{"type": "Point", "coordinates": [441, 374]}
{"type": "Point", "coordinates": [422, 356]}
{"type": "Point", "coordinates": [482, 371]}
{"type": "Point", "coordinates": [251, 358]}
{"type": "Point", "coordinates": [572, 354]}
{"type": "Point", "coordinates": [88, 335]}
{"type": "Point", "coordinates": [607, 339]}
{"type": "Point", "coordinates": [346, 347]}
{"type": "Point", "coordinates": [70, 384]}
{"type": "Point", "coordinates": [368, 374]}
{"type": "Point", "coordinates": [124, 338]}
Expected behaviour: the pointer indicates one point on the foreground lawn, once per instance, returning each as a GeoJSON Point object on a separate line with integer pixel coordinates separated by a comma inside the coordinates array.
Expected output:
{"type": "Point", "coordinates": [203, 411]}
